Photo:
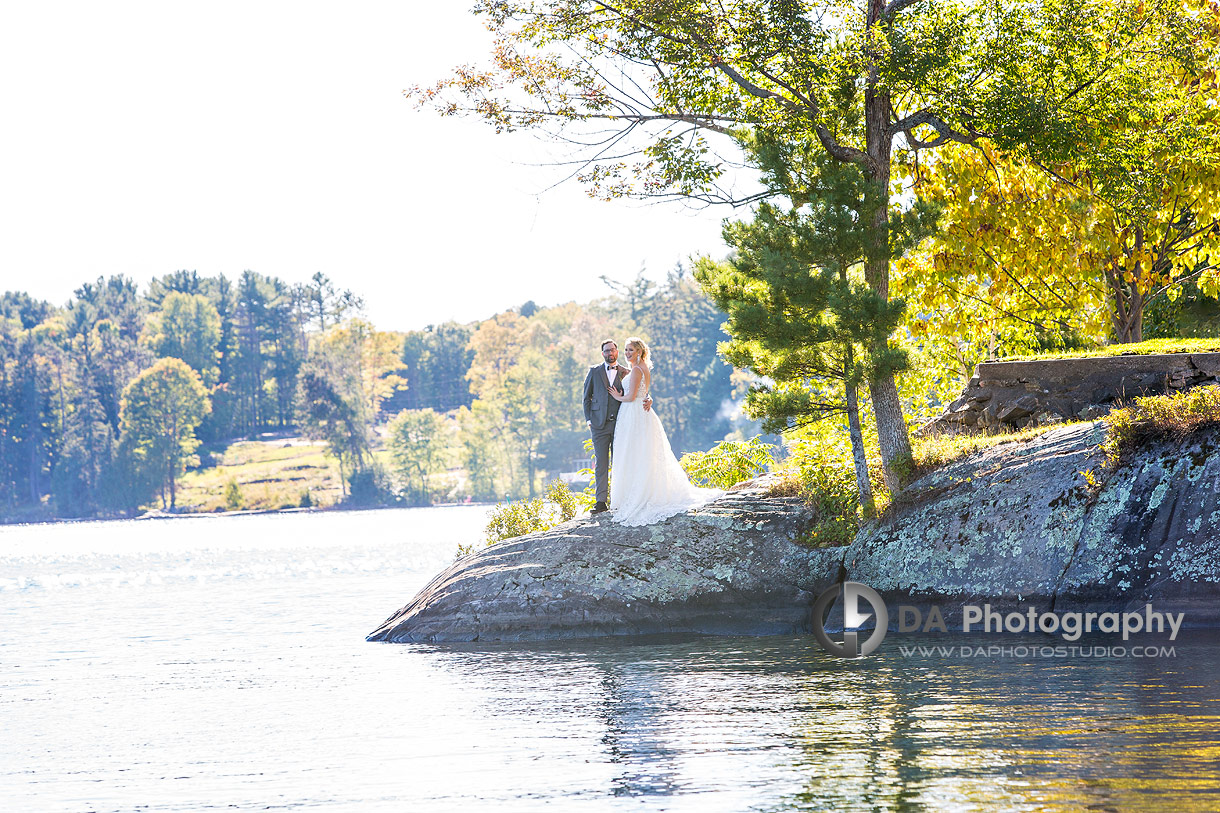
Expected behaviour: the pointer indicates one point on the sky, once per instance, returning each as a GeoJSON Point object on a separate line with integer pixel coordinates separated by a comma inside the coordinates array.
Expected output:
{"type": "Point", "coordinates": [141, 138]}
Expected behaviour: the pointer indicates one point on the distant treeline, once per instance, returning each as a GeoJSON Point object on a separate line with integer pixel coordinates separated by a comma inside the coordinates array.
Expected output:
{"type": "Point", "coordinates": [105, 401]}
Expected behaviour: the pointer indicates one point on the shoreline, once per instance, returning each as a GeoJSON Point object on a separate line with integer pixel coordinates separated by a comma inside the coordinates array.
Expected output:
{"type": "Point", "coordinates": [160, 514]}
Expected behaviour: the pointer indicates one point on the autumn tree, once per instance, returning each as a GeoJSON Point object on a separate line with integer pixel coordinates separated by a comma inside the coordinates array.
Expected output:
{"type": "Point", "coordinates": [161, 409]}
{"type": "Point", "coordinates": [351, 369]}
{"type": "Point", "coordinates": [1040, 261]}
{"type": "Point", "coordinates": [655, 78]}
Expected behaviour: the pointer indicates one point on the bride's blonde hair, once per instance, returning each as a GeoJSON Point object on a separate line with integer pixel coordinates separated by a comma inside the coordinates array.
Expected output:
{"type": "Point", "coordinates": [641, 350]}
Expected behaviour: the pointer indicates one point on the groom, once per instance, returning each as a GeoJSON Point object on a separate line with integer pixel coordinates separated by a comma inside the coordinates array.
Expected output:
{"type": "Point", "coordinates": [600, 412]}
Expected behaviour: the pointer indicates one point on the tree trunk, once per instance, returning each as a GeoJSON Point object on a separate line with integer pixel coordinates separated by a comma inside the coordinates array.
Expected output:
{"type": "Point", "coordinates": [892, 434]}
{"type": "Point", "coordinates": [1128, 313]}
{"type": "Point", "coordinates": [857, 442]}
{"type": "Point", "coordinates": [175, 450]}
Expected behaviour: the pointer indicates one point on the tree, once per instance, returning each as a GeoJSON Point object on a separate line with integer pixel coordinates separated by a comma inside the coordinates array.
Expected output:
{"type": "Point", "coordinates": [327, 305]}
{"type": "Point", "coordinates": [795, 314]}
{"type": "Point", "coordinates": [635, 295]}
{"type": "Point", "coordinates": [349, 372]}
{"type": "Point", "coordinates": [437, 359]}
{"type": "Point", "coordinates": [854, 78]}
{"type": "Point", "coordinates": [161, 408]}
{"type": "Point", "coordinates": [419, 446]}
{"type": "Point", "coordinates": [186, 327]}
{"type": "Point", "coordinates": [1046, 262]}
{"type": "Point", "coordinates": [184, 282]}
{"type": "Point", "coordinates": [326, 414]}
{"type": "Point", "coordinates": [481, 450]}
{"type": "Point", "coordinates": [690, 382]}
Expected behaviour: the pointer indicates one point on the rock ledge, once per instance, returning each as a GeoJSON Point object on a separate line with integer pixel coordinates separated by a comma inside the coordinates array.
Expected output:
{"type": "Point", "coordinates": [728, 567]}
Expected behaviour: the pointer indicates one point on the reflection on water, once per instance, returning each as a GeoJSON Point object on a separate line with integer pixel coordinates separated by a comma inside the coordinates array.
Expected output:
{"type": "Point", "coordinates": [221, 662]}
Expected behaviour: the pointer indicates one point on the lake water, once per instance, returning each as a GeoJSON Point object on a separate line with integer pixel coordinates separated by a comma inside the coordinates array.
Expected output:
{"type": "Point", "coordinates": [220, 662]}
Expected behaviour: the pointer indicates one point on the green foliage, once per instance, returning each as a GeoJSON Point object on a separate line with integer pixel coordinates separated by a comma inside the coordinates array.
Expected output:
{"type": "Point", "coordinates": [559, 495]}
{"type": "Point", "coordinates": [1150, 346]}
{"type": "Point", "coordinates": [588, 497]}
{"type": "Point", "coordinates": [437, 360]}
{"type": "Point", "coordinates": [513, 519]}
{"type": "Point", "coordinates": [1191, 313]}
{"type": "Point", "coordinates": [186, 327]}
{"type": "Point", "coordinates": [325, 414]}
{"type": "Point", "coordinates": [161, 408]}
{"type": "Point", "coordinates": [370, 486]}
{"type": "Point", "coordinates": [797, 315]}
{"type": "Point", "coordinates": [233, 497]}
{"type": "Point", "coordinates": [830, 491]}
{"type": "Point", "coordinates": [480, 451]}
{"type": "Point", "coordinates": [728, 462]}
{"type": "Point", "coordinates": [1157, 417]}
{"type": "Point", "coordinates": [419, 446]}
{"type": "Point", "coordinates": [795, 312]}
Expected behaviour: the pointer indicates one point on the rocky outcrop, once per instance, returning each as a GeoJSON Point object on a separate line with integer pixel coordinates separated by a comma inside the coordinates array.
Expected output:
{"type": "Point", "coordinates": [729, 567]}
{"type": "Point", "coordinates": [1043, 523]}
{"type": "Point", "coordinates": [1006, 395]}
{"type": "Point", "coordinates": [1039, 523]}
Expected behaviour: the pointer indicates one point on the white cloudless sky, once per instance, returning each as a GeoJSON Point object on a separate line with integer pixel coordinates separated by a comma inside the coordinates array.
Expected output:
{"type": "Point", "coordinates": [140, 138]}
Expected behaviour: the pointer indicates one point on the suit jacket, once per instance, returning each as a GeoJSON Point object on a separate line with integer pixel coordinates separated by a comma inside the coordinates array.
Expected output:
{"type": "Point", "coordinates": [599, 406]}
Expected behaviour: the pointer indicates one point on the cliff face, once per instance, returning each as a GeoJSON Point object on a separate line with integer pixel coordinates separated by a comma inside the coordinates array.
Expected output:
{"type": "Point", "coordinates": [1015, 524]}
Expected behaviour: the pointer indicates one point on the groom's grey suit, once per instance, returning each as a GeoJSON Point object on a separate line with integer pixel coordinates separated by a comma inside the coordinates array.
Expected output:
{"type": "Point", "coordinates": [600, 412]}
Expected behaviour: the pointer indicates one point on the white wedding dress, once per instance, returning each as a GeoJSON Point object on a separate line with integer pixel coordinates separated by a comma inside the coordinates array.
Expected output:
{"type": "Point", "coordinates": [647, 483]}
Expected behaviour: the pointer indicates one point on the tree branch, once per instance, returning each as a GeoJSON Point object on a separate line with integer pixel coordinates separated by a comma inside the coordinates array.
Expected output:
{"type": "Point", "coordinates": [893, 7]}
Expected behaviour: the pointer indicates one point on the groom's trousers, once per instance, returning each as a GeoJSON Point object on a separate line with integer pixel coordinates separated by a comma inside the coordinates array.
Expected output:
{"type": "Point", "coordinates": [603, 441]}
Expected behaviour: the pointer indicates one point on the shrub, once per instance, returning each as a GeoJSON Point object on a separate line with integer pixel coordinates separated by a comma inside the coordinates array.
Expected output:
{"type": "Point", "coordinates": [513, 519]}
{"type": "Point", "coordinates": [233, 497]}
{"type": "Point", "coordinates": [558, 494]}
{"type": "Point", "coordinates": [830, 491]}
{"type": "Point", "coordinates": [1159, 416]}
{"type": "Point", "coordinates": [369, 486]}
{"type": "Point", "coordinates": [728, 462]}
{"type": "Point", "coordinates": [509, 520]}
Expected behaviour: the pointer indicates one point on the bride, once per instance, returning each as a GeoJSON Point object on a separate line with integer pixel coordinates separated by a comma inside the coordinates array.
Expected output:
{"type": "Point", "coordinates": [649, 485]}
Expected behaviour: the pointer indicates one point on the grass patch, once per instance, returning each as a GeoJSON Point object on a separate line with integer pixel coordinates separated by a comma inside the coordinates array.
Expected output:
{"type": "Point", "coordinates": [1159, 417]}
{"type": "Point", "coordinates": [260, 475]}
{"type": "Point", "coordinates": [829, 489]}
{"type": "Point", "coordinates": [1150, 347]}
{"type": "Point", "coordinates": [936, 451]}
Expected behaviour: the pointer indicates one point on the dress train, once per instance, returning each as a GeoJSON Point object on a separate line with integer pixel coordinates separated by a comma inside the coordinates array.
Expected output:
{"type": "Point", "coordinates": [647, 483]}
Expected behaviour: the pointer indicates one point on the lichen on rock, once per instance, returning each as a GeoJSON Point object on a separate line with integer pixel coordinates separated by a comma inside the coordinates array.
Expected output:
{"type": "Point", "coordinates": [730, 566]}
